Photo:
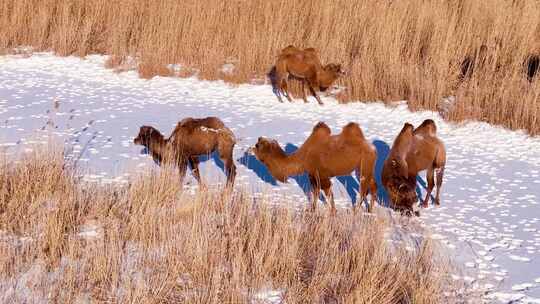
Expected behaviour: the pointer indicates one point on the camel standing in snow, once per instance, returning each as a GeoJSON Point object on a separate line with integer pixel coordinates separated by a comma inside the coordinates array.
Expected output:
{"type": "Point", "coordinates": [324, 156]}
{"type": "Point", "coordinates": [414, 150]}
{"type": "Point", "coordinates": [191, 138]}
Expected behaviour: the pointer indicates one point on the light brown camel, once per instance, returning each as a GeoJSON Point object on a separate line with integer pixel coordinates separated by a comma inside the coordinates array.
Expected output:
{"type": "Point", "coordinates": [324, 156]}
{"type": "Point", "coordinates": [414, 150]}
{"type": "Point", "coordinates": [306, 66]}
{"type": "Point", "coordinates": [191, 138]}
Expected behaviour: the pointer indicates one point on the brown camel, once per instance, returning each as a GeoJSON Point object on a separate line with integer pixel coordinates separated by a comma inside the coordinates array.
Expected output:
{"type": "Point", "coordinates": [191, 138]}
{"type": "Point", "coordinates": [414, 150]}
{"type": "Point", "coordinates": [324, 156]}
{"type": "Point", "coordinates": [306, 66]}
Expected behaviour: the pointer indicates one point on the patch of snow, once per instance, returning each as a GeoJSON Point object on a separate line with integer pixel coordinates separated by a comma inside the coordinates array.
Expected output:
{"type": "Point", "coordinates": [520, 287]}
{"type": "Point", "coordinates": [519, 258]}
{"type": "Point", "coordinates": [507, 298]}
{"type": "Point", "coordinates": [267, 296]}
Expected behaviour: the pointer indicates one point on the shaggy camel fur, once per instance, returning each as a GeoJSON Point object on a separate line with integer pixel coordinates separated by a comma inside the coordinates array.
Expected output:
{"type": "Point", "coordinates": [414, 150]}
{"type": "Point", "coordinates": [191, 138]}
{"type": "Point", "coordinates": [306, 66]}
{"type": "Point", "coordinates": [324, 156]}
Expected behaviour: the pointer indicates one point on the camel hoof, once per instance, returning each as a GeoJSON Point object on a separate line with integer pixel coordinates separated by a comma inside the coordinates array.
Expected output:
{"type": "Point", "coordinates": [416, 213]}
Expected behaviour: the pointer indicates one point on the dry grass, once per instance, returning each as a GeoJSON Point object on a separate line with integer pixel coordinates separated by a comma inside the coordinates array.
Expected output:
{"type": "Point", "coordinates": [393, 49]}
{"type": "Point", "coordinates": [65, 241]}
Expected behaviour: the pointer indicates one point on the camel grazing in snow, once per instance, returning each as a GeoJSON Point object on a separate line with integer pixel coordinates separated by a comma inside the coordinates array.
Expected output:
{"type": "Point", "coordinates": [191, 138]}
{"type": "Point", "coordinates": [306, 66]}
{"type": "Point", "coordinates": [324, 156]}
{"type": "Point", "coordinates": [414, 150]}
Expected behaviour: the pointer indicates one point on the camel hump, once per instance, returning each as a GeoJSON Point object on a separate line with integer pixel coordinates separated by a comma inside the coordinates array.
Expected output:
{"type": "Point", "coordinates": [404, 137]}
{"type": "Point", "coordinates": [311, 50]}
{"type": "Point", "coordinates": [353, 129]}
{"type": "Point", "coordinates": [191, 124]}
{"type": "Point", "coordinates": [321, 128]}
{"type": "Point", "coordinates": [427, 127]}
{"type": "Point", "coordinates": [289, 50]}
{"type": "Point", "coordinates": [407, 127]}
{"type": "Point", "coordinates": [212, 122]}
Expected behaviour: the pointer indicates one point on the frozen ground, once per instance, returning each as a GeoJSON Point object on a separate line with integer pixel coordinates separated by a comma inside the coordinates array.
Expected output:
{"type": "Point", "coordinates": [490, 214]}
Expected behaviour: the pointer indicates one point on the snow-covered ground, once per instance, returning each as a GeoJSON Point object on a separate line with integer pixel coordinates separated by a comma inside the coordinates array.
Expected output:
{"type": "Point", "coordinates": [490, 214]}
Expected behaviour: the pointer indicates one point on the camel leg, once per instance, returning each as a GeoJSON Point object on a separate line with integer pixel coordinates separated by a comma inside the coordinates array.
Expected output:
{"type": "Point", "coordinates": [440, 174]}
{"type": "Point", "coordinates": [367, 183]}
{"type": "Point", "coordinates": [278, 94]}
{"type": "Point", "coordinates": [226, 155]}
{"type": "Point", "coordinates": [231, 171]}
{"type": "Point", "coordinates": [285, 89]}
{"type": "Point", "coordinates": [312, 85]}
{"type": "Point", "coordinates": [364, 187]}
{"type": "Point", "coordinates": [304, 91]}
{"type": "Point", "coordinates": [194, 163]}
{"type": "Point", "coordinates": [280, 74]}
{"type": "Point", "coordinates": [431, 184]}
{"type": "Point", "coordinates": [373, 191]}
{"type": "Point", "coordinates": [280, 90]}
{"type": "Point", "coordinates": [182, 168]}
{"type": "Point", "coordinates": [326, 185]}
{"type": "Point", "coordinates": [315, 191]}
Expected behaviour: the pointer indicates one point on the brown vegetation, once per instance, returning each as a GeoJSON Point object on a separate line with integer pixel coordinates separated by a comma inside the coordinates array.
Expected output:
{"type": "Point", "coordinates": [392, 50]}
{"type": "Point", "coordinates": [66, 241]}
{"type": "Point", "coordinates": [305, 66]}
{"type": "Point", "coordinates": [324, 156]}
{"type": "Point", "coordinates": [414, 150]}
{"type": "Point", "coordinates": [191, 138]}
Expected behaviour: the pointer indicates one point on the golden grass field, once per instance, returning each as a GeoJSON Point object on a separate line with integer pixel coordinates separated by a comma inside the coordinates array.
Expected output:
{"type": "Point", "coordinates": [393, 50]}
{"type": "Point", "coordinates": [63, 240]}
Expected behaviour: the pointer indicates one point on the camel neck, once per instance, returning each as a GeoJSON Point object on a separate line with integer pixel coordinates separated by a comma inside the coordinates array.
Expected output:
{"type": "Point", "coordinates": [283, 166]}
{"type": "Point", "coordinates": [157, 149]}
{"type": "Point", "coordinates": [326, 78]}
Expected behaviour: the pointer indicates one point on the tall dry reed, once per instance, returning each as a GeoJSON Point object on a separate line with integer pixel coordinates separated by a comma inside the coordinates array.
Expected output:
{"type": "Point", "coordinates": [393, 49]}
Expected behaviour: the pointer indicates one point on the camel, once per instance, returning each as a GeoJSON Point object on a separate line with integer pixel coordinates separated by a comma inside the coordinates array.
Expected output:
{"type": "Point", "coordinates": [306, 66]}
{"type": "Point", "coordinates": [324, 156]}
{"type": "Point", "coordinates": [414, 150]}
{"type": "Point", "coordinates": [191, 138]}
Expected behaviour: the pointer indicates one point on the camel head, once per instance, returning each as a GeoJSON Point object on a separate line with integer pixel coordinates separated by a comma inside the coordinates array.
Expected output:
{"type": "Point", "coordinates": [399, 167]}
{"type": "Point", "coordinates": [148, 135]}
{"type": "Point", "coordinates": [266, 148]}
{"type": "Point", "coordinates": [402, 192]}
{"type": "Point", "coordinates": [334, 68]}
{"type": "Point", "coordinates": [332, 72]}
